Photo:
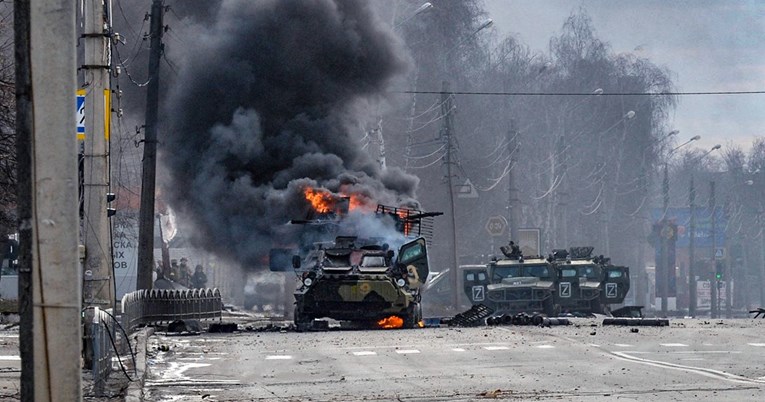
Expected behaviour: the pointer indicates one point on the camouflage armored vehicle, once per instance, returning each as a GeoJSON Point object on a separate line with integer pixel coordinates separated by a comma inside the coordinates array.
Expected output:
{"type": "Point", "coordinates": [361, 280]}
{"type": "Point", "coordinates": [588, 284]}
{"type": "Point", "coordinates": [514, 284]}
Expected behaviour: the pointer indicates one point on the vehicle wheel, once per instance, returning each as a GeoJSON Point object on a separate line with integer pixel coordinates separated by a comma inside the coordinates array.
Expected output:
{"type": "Point", "coordinates": [549, 307]}
{"type": "Point", "coordinates": [411, 318]}
{"type": "Point", "coordinates": [595, 306]}
{"type": "Point", "coordinates": [302, 322]}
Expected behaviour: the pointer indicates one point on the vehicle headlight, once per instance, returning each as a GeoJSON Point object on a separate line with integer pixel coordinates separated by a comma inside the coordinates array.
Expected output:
{"type": "Point", "coordinates": [400, 282]}
{"type": "Point", "coordinates": [308, 281]}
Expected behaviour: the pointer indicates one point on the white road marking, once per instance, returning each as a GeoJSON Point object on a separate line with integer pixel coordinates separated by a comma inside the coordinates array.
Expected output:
{"type": "Point", "coordinates": [496, 347]}
{"type": "Point", "coordinates": [674, 345]}
{"type": "Point", "coordinates": [622, 345]}
{"type": "Point", "coordinates": [11, 357]}
{"type": "Point", "coordinates": [544, 347]}
{"type": "Point", "coordinates": [278, 357]}
{"type": "Point", "coordinates": [407, 351]}
{"type": "Point", "coordinates": [365, 353]}
{"type": "Point", "coordinates": [698, 370]}
{"type": "Point", "coordinates": [594, 345]}
{"type": "Point", "coordinates": [693, 359]}
{"type": "Point", "coordinates": [757, 344]}
{"type": "Point", "coordinates": [458, 349]}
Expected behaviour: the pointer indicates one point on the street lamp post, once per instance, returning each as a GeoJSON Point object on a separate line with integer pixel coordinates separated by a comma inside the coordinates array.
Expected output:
{"type": "Point", "coordinates": [667, 270]}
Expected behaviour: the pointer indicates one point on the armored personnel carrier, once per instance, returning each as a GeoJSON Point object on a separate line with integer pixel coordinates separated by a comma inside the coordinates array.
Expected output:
{"type": "Point", "coordinates": [361, 280]}
{"type": "Point", "coordinates": [588, 284]}
{"type": "Point", "coordinates": [513, 284]}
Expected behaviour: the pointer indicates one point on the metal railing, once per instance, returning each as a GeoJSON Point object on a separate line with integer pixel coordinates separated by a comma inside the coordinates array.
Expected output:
{"type": "Point", "coordinates": [103, 337]}
{"type": "Point", "coordinates": [157, 306]}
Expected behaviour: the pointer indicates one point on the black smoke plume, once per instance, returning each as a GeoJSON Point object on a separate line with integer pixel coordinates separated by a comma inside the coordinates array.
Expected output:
{"type": "Point", "coordinates": [271, 97]}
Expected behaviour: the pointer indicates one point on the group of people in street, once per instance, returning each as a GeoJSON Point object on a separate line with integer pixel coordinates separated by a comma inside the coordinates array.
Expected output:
{"type": "Point", "coordinates": [182, 274]}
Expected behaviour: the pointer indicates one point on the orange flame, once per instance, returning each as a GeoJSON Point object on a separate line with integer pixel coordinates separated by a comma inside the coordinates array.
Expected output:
{"type": "Point", "coordinates": [403, 214]}
{"type": "Point", "coordinates": [321, 200]}
{"type": "Point", "coordinates": [391, 322]}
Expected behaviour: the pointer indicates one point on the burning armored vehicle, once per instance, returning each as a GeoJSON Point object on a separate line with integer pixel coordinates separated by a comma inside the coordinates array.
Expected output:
{"type": "Point", "coordinates": [358, 278]}
{"type": "Point", "coordinates": [361, 280]}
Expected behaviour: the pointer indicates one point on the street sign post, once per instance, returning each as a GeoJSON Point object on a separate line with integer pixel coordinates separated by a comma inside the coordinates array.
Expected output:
{"type": "Point", "coordinates": [496, 225]}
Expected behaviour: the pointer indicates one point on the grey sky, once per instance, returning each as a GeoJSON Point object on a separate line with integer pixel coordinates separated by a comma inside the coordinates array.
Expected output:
{"type": "Point", "coordinates": [708, 45]}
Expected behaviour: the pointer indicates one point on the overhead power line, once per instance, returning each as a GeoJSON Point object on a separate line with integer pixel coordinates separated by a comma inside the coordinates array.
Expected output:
{"type": "Point", "coordinates": [482, 93]}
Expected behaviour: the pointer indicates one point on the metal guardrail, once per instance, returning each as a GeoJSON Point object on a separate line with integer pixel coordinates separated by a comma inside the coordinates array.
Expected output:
{"type": "Point", "coordinates": [102, 338]}
{"type": "Point", "coordinates": [157, 306]}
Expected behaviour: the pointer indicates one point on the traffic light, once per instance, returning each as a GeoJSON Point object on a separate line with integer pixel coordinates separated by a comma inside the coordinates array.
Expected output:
{"type": "Point", "coordinates": [720, 270]}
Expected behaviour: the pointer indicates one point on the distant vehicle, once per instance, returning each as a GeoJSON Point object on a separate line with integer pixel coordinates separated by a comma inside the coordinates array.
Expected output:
{"type": "Point", "coordinates": [513, 284]}
{"type": "Point", "coordinates": [568, 281]}
{"type": "Point", "coordinates": [588, 284]}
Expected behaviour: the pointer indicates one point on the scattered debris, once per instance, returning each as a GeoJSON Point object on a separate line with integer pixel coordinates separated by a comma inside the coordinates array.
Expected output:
{"type": "Point", "coordinates": [223, 328]}
{"type": "Point", "coordinates": [634, 330]}
{"type": "Point", "coordinates": [180, 326]}
{"type": "Point", "coordinates": [491, 394]}
{"type": "Point", "coordinates": [758, 312]}
{"type": "Point", "coordinates": [628, 311]}
{"type": "Point", "coordinates": [471, 318]}
{"type": "Point", "coordinates": [637, 322]}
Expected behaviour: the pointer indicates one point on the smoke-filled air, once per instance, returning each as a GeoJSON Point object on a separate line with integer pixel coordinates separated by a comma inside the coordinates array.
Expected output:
{"type": "Point", "coordinates": [269, 104]}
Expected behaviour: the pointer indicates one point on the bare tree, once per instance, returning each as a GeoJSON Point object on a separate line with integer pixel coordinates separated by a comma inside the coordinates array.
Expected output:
{"type": "Point", "coordinates": [7, 122]}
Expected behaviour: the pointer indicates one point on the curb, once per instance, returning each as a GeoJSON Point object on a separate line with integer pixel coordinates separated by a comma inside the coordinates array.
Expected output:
{"type": "Point", "coordinates": [134, 392]}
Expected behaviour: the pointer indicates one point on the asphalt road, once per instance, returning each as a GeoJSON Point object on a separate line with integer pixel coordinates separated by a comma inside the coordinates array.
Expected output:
{"type": "Point", "coordinates": [690, 360]}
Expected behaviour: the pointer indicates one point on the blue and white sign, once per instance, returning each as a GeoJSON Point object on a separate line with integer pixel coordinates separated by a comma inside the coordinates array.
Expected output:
{"type": "Point", "coordinates": [80, 114]}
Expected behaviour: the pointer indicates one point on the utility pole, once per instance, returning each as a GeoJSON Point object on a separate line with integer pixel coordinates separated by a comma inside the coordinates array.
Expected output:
{"type": "Point", "coordinates": [447, 133]}
{"type": "Point", "coordinates": [563, 193]}
{"type": "Point", "coordinates": [665, 268]}
{"type": "Point", "coordinates": [98, 275]}
{"type": "Point", "coordinates": [148, 182]}
{"type": "Point", "coordinates": [514, 205]}
{"type": "Point", "coordinates": [50, 277]}
{"type": "Point", "coordinates": [692, 252]}
{"type": "Point", "coordinates": [713, 282]}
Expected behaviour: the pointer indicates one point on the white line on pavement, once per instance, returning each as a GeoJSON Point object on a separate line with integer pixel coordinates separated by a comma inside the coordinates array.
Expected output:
{"type": "Point", "coordinates": [544, 347]}
{"type": "Point", "coordinates": [674, 345]}
{"type": "Point", "coordinates": [622, 345]}
{"type": "Point", "coordinates": [11, 357]}
{"type": "Point", "coordinates": [496, 347]}
{"type": "Point", "coordinates": [458, 349]}
{"type": "Point", "coordinates": [407, 351]}
{"type": "Point", "coordinates": [756, 344]}
{"type": "Point", "coordinates": [365, 353]}
{"type": "Point", "coordinates": [278, 357]}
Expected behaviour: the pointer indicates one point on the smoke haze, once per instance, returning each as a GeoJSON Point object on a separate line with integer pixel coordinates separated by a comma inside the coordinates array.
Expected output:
{"type": "Point", "coordinates": [270, 99]}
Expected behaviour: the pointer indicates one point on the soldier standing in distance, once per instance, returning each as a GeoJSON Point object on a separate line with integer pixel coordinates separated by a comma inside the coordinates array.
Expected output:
{"type": "Point", "coordinates": [199, 279]}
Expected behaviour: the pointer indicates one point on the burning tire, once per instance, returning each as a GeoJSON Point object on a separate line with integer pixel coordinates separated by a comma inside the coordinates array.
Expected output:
{"type": "Point", "coordinates": [413, 316]}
